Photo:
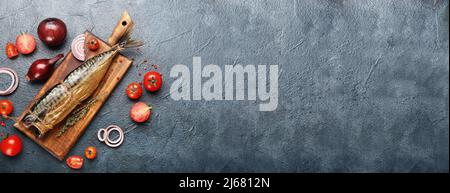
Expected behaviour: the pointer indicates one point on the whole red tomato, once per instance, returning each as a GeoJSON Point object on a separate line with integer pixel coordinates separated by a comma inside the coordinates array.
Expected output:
{"type": "Point", "coordinates": [75, 162]}
{"type": "Point", "coordinates": [6, 107]}
{"type": "Point", "coordinates": [140, 112]}
{"type": "Point", "coordinates": [90, 152]}
{"type": "Point", "coordinates": [153, 81]}
{"type": "Point", "coordinates": [134, 90]}
{"type": "Point", "coordinates": [93, 44]}
{"type": "Point", "coordinates": [11, 146]}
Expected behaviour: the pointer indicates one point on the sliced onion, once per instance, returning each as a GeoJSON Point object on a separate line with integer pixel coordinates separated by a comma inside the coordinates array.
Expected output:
{"type": "Point", "coordinates": [78, 47]}
{"type": "Point", "coordinates": [103, 136]}
{"type": "Point", "coordinates": [14, 81]}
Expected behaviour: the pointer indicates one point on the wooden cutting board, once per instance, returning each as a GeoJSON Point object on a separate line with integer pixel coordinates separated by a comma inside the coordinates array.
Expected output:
{"type": "Point", "coordinates": [60, 146]}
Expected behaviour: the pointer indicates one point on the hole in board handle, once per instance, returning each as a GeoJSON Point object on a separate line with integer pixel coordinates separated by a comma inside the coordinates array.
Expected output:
{"type": "Point", "coordinates": [124, 23]}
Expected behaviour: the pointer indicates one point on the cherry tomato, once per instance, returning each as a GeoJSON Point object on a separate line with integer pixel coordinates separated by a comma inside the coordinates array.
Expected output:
{"type": "Point", "coordinates": [140, 112]}
{"type": "Point", "coordinates": [134, 90]}
{"type": "Point", "coordinates": [25, 43]}
{"type": "Point", "coordinates": [93, 44]}
{"type": "Point", "coordinates": [153, 81]}
{"type": "Point", "coordinates": [75, 162]}
{"type": "Point", "coordinates": [11, 146]}
{"type": "Point", "coordinates": [6, 107]}
{"type": "Point", "coordinates": [90, 152]}
{"type": "Point", "coordinates": [11, 50]}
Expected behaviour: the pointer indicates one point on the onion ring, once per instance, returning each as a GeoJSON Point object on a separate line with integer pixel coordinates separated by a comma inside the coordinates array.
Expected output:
{"type": "Point", "coordinates": [77, 47]}
{"type": "Point", "coordinates": [14, 81]}
{"type": "Point", "coordinates": [103, 136]}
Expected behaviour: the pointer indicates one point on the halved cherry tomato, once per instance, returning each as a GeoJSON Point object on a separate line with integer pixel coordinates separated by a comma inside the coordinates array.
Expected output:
{"type": "Point", "coordinates": [11, 50]}
{"type": "Point", "coordinates": [153, 81]}
{"type": "Point", "coordinates": [11, 146]}
{"type": "Point", "coordinates": [90, 152]}
{"type": "Point", "coordinates": [25, 43]}
{"type": "Point", "coordinates": [93, 44]}
{"type": "Point", "coordinates": [75, 162]}
{"type": "Point", "coordinates": [134, 90]}
{"type": "Point", "coordinates": [6, 107]}
{"type": "Point", "coordinates": [140, 112]}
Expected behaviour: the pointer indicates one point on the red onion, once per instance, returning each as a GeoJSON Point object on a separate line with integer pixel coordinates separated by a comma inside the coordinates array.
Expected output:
{"type": "Point", "coordinates": [52, 31]}
{"type": "Point", "coordinates": [78, 47]}
{"type": "Point", "coordinates": [14, 81]}
{"type": "Point", "coordinates": [42, 69]}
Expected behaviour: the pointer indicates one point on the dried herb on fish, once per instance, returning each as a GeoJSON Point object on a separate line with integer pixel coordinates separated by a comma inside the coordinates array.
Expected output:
{"type": "Point", "coordinates": [76, 115]}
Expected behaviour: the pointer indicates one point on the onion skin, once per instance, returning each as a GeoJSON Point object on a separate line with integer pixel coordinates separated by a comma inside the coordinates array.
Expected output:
{"type": "Point", "coordinates": [41, 69]}
{"type": "Point", "coordinates": [52, 31]}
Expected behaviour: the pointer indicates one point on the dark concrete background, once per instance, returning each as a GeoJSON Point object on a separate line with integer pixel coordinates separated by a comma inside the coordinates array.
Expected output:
{"type": "Point", "coordinates": [363, 85]}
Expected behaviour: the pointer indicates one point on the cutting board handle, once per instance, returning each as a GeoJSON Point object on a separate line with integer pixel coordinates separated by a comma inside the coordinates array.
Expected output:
{"type": "Point", "coordinates": [122, 26]}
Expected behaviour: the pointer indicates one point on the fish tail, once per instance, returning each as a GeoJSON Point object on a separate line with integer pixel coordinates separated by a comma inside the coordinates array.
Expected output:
{"type": "Point", "coordinates": [126, 41]}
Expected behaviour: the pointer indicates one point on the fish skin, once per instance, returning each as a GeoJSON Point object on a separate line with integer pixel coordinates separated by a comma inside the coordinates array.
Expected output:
{"type": "Point", "coordinates": [72, 79]}
{"type": "Point", "coordinates": [76, 87]}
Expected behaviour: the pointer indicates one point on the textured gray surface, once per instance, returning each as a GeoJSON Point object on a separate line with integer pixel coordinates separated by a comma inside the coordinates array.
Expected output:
{"type": "Point", "coordinates": [363, 85]}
